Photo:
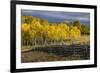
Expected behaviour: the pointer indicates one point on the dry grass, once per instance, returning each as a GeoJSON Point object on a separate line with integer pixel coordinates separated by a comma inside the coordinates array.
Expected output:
{"type": "Point", "coordinates": [26, 48]}
{"type": "Point", "coordinates": [37, 56]}
{"type": "Point", "coordinates": [83, 40]}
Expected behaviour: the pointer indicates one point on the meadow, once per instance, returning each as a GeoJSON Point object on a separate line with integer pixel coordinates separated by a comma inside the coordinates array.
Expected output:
{"type": "Point", "coordinates": [42, 41]}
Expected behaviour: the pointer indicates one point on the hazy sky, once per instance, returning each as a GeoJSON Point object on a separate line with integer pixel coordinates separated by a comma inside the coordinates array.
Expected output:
{"type": "Point", "coordinates": [59, 16]}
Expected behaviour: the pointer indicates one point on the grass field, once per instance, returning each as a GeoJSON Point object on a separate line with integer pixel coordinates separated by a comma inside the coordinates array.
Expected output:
{"type": "Point", "coordinates": [43, 54]}
{"type": "Point", "coordinates": [39, 56]}
{"type": "Point", "coordinates": [83, 40]}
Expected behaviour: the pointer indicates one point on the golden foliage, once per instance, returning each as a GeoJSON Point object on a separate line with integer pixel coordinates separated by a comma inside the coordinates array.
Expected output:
{"type": "Point", "coordinates": [75, 32]}
{"type": "Point", "coordinates": [42, 30]}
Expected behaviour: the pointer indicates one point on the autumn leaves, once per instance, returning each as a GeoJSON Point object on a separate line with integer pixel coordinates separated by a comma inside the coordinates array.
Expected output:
{"type": "Point", "coordinates": [38, 31]}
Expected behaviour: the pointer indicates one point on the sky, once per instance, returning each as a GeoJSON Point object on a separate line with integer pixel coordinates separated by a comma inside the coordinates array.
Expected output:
{"type": "Point", "coordinates": [59, 16]}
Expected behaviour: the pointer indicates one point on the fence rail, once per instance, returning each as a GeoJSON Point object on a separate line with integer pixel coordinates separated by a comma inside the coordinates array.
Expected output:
{"type": "Point", "coordinates": [81, 51]}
